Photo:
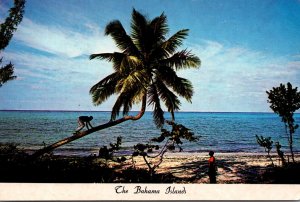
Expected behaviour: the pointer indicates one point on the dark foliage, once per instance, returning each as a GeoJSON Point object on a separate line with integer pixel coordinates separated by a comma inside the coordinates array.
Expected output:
{"type": "Point", "coordinates": [285, 100]}
{"type": "Point", "coordinates": [11, 22]}
{"type": "Point", "coordinates": [266, 143]}
{"type": "Point", "coordinates": [16, 167]}
{"type": "Point", "coordinates": [108, 153]}
{"type": "Point", "coordinates": [7, 28]}
{"type": "Point", "coordinates": [6, 73]}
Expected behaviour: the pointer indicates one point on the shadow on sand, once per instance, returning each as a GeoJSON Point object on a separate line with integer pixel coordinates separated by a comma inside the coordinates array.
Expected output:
{"type": "Point", "coordinates": [231, 171]}
{"type": "Point", "coordinates": [15, 167]}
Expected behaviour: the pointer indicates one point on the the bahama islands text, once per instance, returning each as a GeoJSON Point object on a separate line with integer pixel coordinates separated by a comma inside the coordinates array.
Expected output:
{"type": "Point", "coordinates": [146, 190]}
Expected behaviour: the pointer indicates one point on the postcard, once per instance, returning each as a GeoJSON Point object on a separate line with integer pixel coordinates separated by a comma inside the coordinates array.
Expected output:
{"type": "Point", "coordinates": [149, 100]}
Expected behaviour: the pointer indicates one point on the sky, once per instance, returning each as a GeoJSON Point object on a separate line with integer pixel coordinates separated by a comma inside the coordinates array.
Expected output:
{"type": "Point", "coordinates": [246, 48]}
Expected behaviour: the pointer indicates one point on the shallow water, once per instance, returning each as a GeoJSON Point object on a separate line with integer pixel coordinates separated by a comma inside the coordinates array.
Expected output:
{"type": "Point", "coordinates": [222, 132]}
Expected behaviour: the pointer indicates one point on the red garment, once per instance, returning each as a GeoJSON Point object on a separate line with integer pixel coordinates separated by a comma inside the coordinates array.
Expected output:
{"type": "Point", "coordinates": [212, 170]}
{"type": "Point", "coordinates": [211, 160]}
{"type": "Point", "coordinates": [211, 165]}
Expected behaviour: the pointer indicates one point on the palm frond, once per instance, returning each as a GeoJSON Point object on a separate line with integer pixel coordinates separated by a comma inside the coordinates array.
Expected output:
{"type": "Point", "coordinates": [132, 97]}
{"type": "Point", "coordinates": [102, 93]}
{"type": "Point", "coordinates": [110, 78]}
{"type": "Point", "coordinates": [170, 100]}
{"type": "Point", "coordinates": [159, 28]}
{"type": "Point", "coordinates": [135, 80]}
{"type": "Point", "coordinates": [123, 41]}
{"type": "Point", "coordinates": [174, 41]}
{"type": "Point", "coordinates": [181, 60]}
{"type": "Point", "coordinates": [104, 88]}
{"type": "Point", "coordinates": [127, 103]}
{"type": "Point", "coordinates": [181, 86]}
{"type": "Point", "coordinates": [107, 56]}
{"type": "Point", "coordinates": [126, 99]}
{"type": "Point", "coordinates": [158, 113]}
{"type": "Point", "coordinates": [117, 106]}
{"type": "Point", "coordinates": [129, 63]}
{"type": "Point", "coordinates": [116, 58]}
{"type": "Point", "coordinates": [131, 90]}
{"type": "Point", "coordinates": [168, 47]}
{"type": "Point", "coordinates": [140, 31]}
{"type": "Point", "coordinates": [184, 88]}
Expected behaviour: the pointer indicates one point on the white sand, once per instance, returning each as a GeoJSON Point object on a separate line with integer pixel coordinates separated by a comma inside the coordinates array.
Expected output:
{"type": "Point", "coordinates": [232, 167]}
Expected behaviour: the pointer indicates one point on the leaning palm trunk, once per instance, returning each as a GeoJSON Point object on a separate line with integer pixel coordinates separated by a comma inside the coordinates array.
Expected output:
{"type": "Point", "coordinates": [92, 130]}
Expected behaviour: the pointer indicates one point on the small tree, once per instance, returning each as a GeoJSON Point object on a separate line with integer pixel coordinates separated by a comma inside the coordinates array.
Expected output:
{"type": "Point", "coordinates": [285, 100]}
{"type": "Point", "coordinates": [267, 144]}
{"type": "Point", "coordinates": [7, 28]}
{"type": "Point", "coordinates": [173, 138]}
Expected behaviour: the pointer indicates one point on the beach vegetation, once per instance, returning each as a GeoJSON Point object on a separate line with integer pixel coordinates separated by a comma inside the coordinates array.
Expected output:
{"type": "Point", "coordinates": [15, 167]}
{"type": "Point", "coordinates": [285, 100]}
{"type": "Point", "coordinates": [91, 169]}
{"type": "Point", "coordinates": [108, 152]}
{"type": "Point", "coordinates": [267, 144]}
{"type": "Point", "coordinates": [144, 73]}
{"type": "Point", "coordinates": [153, 154]}
{"type": "Point", "coordinates": [7, 28]}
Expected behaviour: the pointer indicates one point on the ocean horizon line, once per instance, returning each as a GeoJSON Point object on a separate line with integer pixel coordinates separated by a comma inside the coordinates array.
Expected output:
{"type": "Point", "coordinates": [54, 110]}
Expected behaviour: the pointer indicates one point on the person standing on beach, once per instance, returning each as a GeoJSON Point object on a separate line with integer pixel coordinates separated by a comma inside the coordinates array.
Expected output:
{"type": "Point", "coordinates": [212, 168]}
{"type": "Point", "coordinates": [84, 121]}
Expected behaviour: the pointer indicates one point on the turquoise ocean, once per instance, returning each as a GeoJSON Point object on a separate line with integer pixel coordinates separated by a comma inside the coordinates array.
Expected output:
{"type": "Point", "coordinates": [221, 132]}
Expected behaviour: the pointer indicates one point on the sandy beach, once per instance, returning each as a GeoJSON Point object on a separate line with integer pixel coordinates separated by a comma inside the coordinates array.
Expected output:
{"type": "Point", "coordinates": [232, 167]}
{"type": "Point", "coordinates": [176, 167]}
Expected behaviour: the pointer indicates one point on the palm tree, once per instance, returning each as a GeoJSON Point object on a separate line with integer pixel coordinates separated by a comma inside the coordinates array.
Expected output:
{"type": "Point", "coordinates": [144, 71]}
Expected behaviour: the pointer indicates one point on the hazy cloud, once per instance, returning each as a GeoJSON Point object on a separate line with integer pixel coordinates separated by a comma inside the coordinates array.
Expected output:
{"type": "Point", "coordinates": [230, 78]}
{"type": "Point", "coordinates": [237, 78]}
{"type": "Point", "coordinates": [63, 41]}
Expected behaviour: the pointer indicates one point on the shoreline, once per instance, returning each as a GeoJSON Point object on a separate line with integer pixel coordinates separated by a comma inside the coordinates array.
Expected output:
{"type": "Point", "coordinates": [176, 167]}
{"type": "Point", "coordinates": [92, 152]}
